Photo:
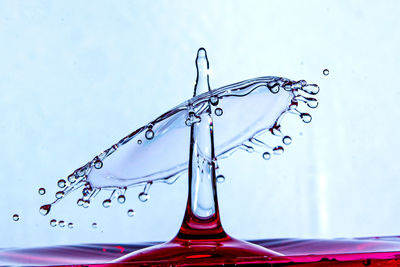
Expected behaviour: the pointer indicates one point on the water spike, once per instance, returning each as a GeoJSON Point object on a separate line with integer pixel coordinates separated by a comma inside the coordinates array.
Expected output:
{"type": "Point", "coordinates": [247, 148]}
{"type": "Point", "coordinates": [144, 196]}
{"type": "Point", "coordinates": [202, 65]}
{"type": "Point", "coordinates": [45, 209]}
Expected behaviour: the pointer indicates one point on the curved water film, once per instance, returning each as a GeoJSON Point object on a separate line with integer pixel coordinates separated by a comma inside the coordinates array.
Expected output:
{"type": "Point", "coordinates": [158, 152]}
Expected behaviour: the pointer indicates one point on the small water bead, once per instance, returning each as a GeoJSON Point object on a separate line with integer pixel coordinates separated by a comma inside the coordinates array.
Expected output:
{"type": "Point", "coordinates": [94, 225]}
{"type": "Point", "coordinates": [278, 150]}
{"type": "Point", "coordinates": [42, 191]}
{"type": "Point", "coordinates": [121, 199]}
{"type": "Point", "coordinates": [60, 194]}
{"type": "Point", "coordinates": [131, 213]}
{"type": "Point", "coordinates": [45, 209]}
{"type": "Point", "coordinates": [143, 197]}
{"type": "Point", "coordinates": [214, 100]}
{"type": "Point", "coordinates": [273, 87]}
{"type": "Point", "coordinates": [139, 142]}
{"type": "Point", "coordinates": [71, 178]}
{"type": "Point", "coordinates": [306, 117]}
{"type": "Point", "coordinates": [98, 164]}
{"type": "Point", "coordinates": [61, 183]}
{"type": "Point", "coordinates": [71, 225]}
{"type": "Point", "coordinates": [107, 203]}
{"type": "Point", "coordinates": [220, 178]}
{"type": "Point", "coordinates": [218, 111]}
{"type": "Point", "coordinates": [15, 217]}
{"type": "Point", "coordinates": [287, 140]}
{"type": "Point", "coordinates": [61, 224]}
{"type": "Point", "coordinates": [149, 134]}
{"type": "Point", "coordinates": [80, 202]}
{"type": "Point", "coordinates": [53, 223]}
{"type": "Point", "coordinates": [86, 204]}
{"type": "Point", "coordinates": [311, 89]}
{"type": "Point", "coordinates": [326, 72]}
{"type": "Point", "coordinates": [266, 155]}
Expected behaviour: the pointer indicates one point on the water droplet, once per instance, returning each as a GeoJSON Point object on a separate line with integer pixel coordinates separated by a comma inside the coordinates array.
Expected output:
{"type": "Point", "coordinates": [266, 155]}
{"type": "Point", "coordinates": [139, 141]}
{"type": "Point", "coordinates": [149, 134]}
{"type": "Point", "coordinates": [86, 204]}
{"type": "Point", "coordinates": [218, 111]}
{"type": "Point", "coordinates": [287, 140]}
{"type": "Point", "coordinates": [71, 225]}
{"type": "Point", "coordinates": [98, 164]}
{"type": "Point", "coordinates": [61, 223]}
{"type": "Point", "coordinates": [214, 100]}
{"type": "Point", "coordinates": [220, 178]}
{"type": "Point", "coordinates": [143, 197]}
{"type": "Point", "coordinates": [326, 72]}
{"type": "Point", "coordinates": [42, 191]}
{"type": "Point", "coordinates": [121, 199]}
{"type": "Point", "coordinates": [278, 150]}
{"type": "Point", "coordinates": [131, 213]}
{"type": "Point", "coordinates": [71, 178]}
{"type": "Point", "coordinates": [60, 194]}
{"type": "Point", "coordinates": [311, 89]}
{"type": "Point", "coordinates": [107, 203]}
{"type": "Point", "coordinates": [53, 223]}
{"type": "Point", "coordinates": [79, 202]}
{"type": "Point", "coordinates": [45, 209]}
{"type": "Point", "coordinates": [94, 225]}
{"type": "Point", "coordinates": [273, 87]}
{"type": "Point", "coordinates": [61, 183]}
{"type": "Point", "coordinates": [15, 217]}
{"type": "Point", "coordinates": [306, 117]}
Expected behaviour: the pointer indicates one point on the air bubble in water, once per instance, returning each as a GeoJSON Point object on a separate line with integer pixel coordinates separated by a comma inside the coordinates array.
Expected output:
{"type": "Point", "coordinates": [306, 117]}
{"type": "Point", "coordinates": [220, 178]}
{"type": "Point", "coordinates": [42, 191]}
{"type": "Point", "coordinates": [121, 199]}
{"type": "Point", "coordinates": [139, 141]}
{"type": "Point", "coordinates": [131, 213]}
{"type": "Point", "coordinates": [45, 209]}
{"type": "Point", "coordinates": [278, 150]}
{"type": "Point", "coordinates": [61, 183]}
{"type": "Point", "coordinates": [15, 217]}
{"type": "Point", "coordinates": [287, 140]}
{"type": "Point", "coordinates": [98, 164]}
{"type": "Point", "coordinates": [107, 203]}
{"type": "Point", "coordinates": [214, 100]}
{"type": "Point", "coordinates": [94, 225]}
{"type": "Point", "coordinates": [149, 134]}
{"type": "Point", "coordinates": [143, 197]}
{"type": "Point", "coordinates": [60, 194]}
{"type": "Point", "coordinates": [326, 72]}
{"type": "Point", "coordinates": [53, 223]}
{"type": "Point", "coordinates": [71, 225]}
{"type": "Point", "coordinates": [61, 223]}
{"type": "Point", "coordinates": [218, 111]}
{"type": "Point", "coordinates": [266, 155]}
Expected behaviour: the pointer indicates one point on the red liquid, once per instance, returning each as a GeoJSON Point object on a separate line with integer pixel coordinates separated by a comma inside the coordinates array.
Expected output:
{"type": "Point", "coordinates": [384, 251]}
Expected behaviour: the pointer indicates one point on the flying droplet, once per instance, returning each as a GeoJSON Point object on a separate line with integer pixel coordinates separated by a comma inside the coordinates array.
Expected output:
{"type": "Point", "coordinates": [214, 100]}
{"type": "Point", "coordinates": [80, 202]}
{"type": "Point", "coordinates": [149, 134]}
{"type": "Point", "coordinates": [15, 217]}
{"type": "Point", "coordinates": [71, 225]}
{"type": "Point", "coordinates": [266, 155]}
{"type": "Point", "coordinates": [278, 150]}
{"type": "Point", "coordinates": [306, 117]}
{"type": "Point", "coordinates": [45, 209]}
{"type": "Point", "coordinates": [287, 140]}
{"type": "Point", "coordinates": [121, 199]}
{"type": "Point", "coordinates": [139, 141]}
{"type": "Point", "coordinates": [61, 223]}
{"type": "Point", "coordinates": [98, 164]}
{"type": "Point", "coordinates": [94, 225]}
{"type": "Point", "coordinates": [107, 203]}
{"type": "Point", "coordinates": [218, 111]}
{"type": "Point", "coordinates": [131, 213]}
{"type": "Point", "coordinates": [60, 194]}
{"type": "Point", "coordinates": [220, 178]}
{"type": "Point", "coordinates": [42, 191]}
{"type": "Point", "coordinates": [86, 204]}
{"type": "Point", "coordinates": [143, 197]}
{"type": "Point", "coordinates": [71, 178]}
{"type": "Point", "coordinates": [61, 183]}
{"type": "Point", "coordinates": [326, 72]}
{"type": "Point", "coordinates": [53, 223]}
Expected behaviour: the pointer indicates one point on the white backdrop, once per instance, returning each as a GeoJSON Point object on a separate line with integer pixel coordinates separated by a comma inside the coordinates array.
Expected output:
{"type": "Point", "coordinates": [77, 76]}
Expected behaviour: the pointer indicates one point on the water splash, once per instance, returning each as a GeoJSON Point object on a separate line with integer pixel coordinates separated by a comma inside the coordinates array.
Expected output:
{"type": "Point", "coordinates": [157, 152]}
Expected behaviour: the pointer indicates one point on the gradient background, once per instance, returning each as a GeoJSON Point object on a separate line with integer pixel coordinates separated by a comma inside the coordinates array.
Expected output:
{"type": "Point", "coordinates": [77, 76]}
